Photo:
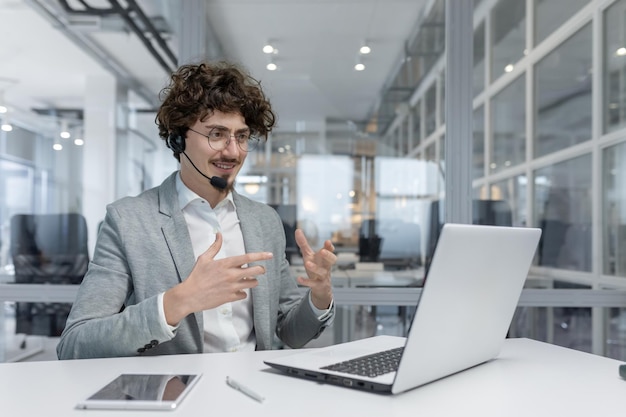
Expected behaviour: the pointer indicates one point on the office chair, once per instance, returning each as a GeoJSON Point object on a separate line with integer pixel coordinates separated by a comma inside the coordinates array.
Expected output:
{"type": "Point", "coordinates": [51, 249]}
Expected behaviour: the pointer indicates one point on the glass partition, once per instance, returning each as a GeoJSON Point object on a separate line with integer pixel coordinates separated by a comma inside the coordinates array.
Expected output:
{"type": "Point", "coordinates": [562, 195]}
{"type": "Point", "coordinates": [508, 36]}
{"type": "Point", "coordinates": [551, 14]}
{"type": "Point", "coordinates": [563, 95]}
{"type": "Point", "coordinates": [614, 77]}
{"type": "Point", "coordinates": [614, 210]}
{"type": "Point", "coordinates": [508, 126]}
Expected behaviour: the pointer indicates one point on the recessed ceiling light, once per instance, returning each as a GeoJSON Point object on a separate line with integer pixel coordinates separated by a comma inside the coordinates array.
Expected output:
{"type": "Point", "coordinates": [269, 48]}
{"type": "Point", "coordinates": [365, 50]}
{"type": "Point", "coordinates": [359, 66]}
{"type": "Point", "coordinates": [271, 66]}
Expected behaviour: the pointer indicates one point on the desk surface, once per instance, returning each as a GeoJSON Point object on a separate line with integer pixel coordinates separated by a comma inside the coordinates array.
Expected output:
{"type": "Point", "coordinates": [529, 378]}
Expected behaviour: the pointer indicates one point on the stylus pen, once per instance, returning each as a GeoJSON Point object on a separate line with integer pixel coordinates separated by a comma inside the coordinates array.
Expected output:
{"type": "Point", "coordinates": [245, 390]}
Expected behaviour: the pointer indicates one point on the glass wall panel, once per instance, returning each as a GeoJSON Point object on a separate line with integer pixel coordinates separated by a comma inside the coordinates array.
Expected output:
{"type": "Point", "coordinates": [563, 210]}
{"type": "Point", "coordinates": [512, 194]}
{"type": "Point", "coordinates": [551, 14]}
{"type": "Point", "coordinates": [404, 189]}
{"type": "Point", "coordinates": [431, 152]}
{"type": "Point", "coordinates": [478, 143]}
{"type": "Point", "coordinates": [563, 95]}
{"type": "Point", "coordinates": [405, 141]}
{"type": "Point", "coordinates": [614, 78]}
{"type": "Point", "coordinates": [616, 333]}
{"type": "Point", "coordinates": [508, 124]}
{"type": "Point", "coordinates": [508, 39]}
{"type": "Point", "coordinates": [614, 203]}
{"type": "Point", "coordinates": [416, 113]}
{"type": "Point", "coordinates": [442, 98]}
{"type": "Point", "coordinates": [331, 177]}
{"type": "Point", "coordinates": [479, 59]}
{"type": "Point", "coordinates": [431, 109]}
{"type": "Point", "coordinates": [562, 326]}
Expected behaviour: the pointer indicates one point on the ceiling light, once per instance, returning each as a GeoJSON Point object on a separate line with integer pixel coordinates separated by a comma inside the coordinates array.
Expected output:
{"type": "Point", "coordinates": [268, 48]}
{"type": "Point", "coordinates": [78, 136]}
{"type": "Point", "coordinates": [359, 66]}
{"type": "Point", "coordinates": [3, 107]}
{"type": "Point", "coordinates": [621, 51]}
{"type": "Point", "coordinates": [6, 124]}
{"type": "Point", "coordinates": [57, 145]}
{"type": "Point", "coordinates": [365, 48]}
{"type": "Point", "coordinates": [64, 133]}
{"type": "Point", "coordinates": [271, 65]}
{"type": "Point", "coordinates": [508, 68]}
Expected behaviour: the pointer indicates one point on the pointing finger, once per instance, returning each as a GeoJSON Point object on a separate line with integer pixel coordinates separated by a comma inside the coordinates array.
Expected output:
{"type": "Point", "coordinates": [303, 244]}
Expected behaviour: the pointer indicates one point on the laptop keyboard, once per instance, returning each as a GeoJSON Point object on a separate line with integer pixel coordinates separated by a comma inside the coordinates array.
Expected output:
{"type": "Point", "coordinates": [370, 365]}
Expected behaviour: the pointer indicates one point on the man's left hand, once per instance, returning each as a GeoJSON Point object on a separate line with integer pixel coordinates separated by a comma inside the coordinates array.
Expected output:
{"type": "Point", "coordinates": [318, 266]}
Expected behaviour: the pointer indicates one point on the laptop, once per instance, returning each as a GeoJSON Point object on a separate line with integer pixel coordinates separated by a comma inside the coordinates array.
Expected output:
{"type": "Point", "coordinates": [462, 318]}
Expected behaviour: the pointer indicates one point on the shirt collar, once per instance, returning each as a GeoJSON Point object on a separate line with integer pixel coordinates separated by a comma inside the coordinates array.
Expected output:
{"type": "Point", "coordinates": [186, 196]}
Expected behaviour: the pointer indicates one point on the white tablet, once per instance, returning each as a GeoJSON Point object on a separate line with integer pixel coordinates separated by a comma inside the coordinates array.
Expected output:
{"type": "Point", "coordinates": [142, 392]}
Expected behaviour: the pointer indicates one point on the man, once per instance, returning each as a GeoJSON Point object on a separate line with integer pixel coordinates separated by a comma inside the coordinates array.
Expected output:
{"type": "Point", "coordinates": [191, 266]}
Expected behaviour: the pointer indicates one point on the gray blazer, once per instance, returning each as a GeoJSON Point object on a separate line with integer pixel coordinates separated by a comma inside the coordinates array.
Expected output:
{"type": "Point", "coordinates": [144, 249]}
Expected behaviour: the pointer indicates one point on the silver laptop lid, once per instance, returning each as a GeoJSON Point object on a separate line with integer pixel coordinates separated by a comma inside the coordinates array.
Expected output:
{"type": "Point", "coordinates": [477, 274]}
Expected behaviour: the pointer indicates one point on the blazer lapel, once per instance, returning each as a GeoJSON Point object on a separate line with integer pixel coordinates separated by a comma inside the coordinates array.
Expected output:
{"type": "Point", "coordinates": [175, 233]}
{"type": "Point", "coordinates": [253, 242]}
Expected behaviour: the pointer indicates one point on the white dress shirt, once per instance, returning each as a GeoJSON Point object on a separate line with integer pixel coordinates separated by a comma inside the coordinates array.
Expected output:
{"type": "Point", "coordinates": [229, 327]}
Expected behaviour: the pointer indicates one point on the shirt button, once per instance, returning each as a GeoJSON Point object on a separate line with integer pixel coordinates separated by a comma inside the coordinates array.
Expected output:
{"type": "Point", "coordinates": [224, 311]}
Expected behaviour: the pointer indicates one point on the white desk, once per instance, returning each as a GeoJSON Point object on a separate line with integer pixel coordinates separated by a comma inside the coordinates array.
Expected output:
{"type": "Point", "coordinates": [528, 379]}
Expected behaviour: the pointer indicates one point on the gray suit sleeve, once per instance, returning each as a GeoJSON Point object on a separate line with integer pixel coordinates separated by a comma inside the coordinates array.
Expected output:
{"type": "Point", "coordinates": [105, 321]}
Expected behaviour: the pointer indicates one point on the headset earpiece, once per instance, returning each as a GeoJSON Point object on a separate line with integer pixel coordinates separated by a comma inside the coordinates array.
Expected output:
{"type": "Point", "coordinates": [176, 142]}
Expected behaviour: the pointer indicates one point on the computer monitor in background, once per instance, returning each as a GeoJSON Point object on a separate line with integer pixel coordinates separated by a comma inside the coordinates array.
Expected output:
{"type": "Point", "coordinates": [289, 215]}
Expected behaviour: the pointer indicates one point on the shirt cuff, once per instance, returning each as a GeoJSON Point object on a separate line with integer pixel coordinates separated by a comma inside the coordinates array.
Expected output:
{"type": "Point", "coordinates": [321, 314]}
{"type": "Point", "coordinates": [168, 329]}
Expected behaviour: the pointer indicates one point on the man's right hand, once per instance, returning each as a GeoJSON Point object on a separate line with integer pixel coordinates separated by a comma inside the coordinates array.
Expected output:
{"type": "Point", "coordinates": [213, 282]}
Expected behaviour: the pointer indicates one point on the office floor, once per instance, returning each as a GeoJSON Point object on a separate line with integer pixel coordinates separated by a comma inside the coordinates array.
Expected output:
{"type": "Point", "coordinates": [571, 328]}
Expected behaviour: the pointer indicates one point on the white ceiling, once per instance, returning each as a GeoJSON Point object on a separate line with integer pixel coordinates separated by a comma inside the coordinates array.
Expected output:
{"type": "Point", "coordinates": [317, 41]}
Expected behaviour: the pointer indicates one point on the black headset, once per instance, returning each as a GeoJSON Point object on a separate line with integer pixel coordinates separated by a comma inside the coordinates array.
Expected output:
{"type": "Point", "coordinates": [176, 142]}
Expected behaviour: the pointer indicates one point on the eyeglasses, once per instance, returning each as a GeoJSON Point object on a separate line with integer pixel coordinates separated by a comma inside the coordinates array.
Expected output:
{"type": "Point", "coordinates": [219, 139]}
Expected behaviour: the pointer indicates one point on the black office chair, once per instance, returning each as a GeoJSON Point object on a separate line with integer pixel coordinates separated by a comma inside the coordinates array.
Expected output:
{"type": "Point", "coordinates": [51, 249]}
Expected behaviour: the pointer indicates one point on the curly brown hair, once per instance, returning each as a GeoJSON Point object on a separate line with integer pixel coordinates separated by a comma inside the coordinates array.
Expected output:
{"type": "Point", "coordinates": [196, 90]}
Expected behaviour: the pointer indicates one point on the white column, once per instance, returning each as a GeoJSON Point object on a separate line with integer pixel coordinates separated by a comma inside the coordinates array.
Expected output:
{"type": "Point", "coordinates": [99, 171]}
